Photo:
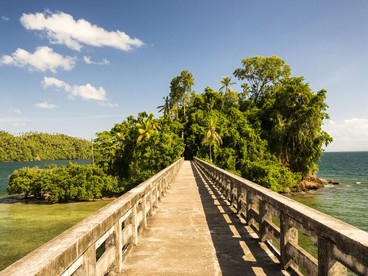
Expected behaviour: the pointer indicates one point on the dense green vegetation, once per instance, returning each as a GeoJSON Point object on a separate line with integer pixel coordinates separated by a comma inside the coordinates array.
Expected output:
{"type": "Point", "coordinates": [138, 148]}
{"type": "Point", "coordinates": [270, 132]}
{"type": "Point", "coordinates": [62, 183]}
{"type": "Point", "coordinates": [42, 146]}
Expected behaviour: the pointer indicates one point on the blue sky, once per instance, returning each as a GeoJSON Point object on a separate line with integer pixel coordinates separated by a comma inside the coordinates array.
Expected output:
{"type": "Point", "coordinates": [79, 67]}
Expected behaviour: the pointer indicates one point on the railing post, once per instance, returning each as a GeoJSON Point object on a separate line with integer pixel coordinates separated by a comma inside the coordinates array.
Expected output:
{"type": "Point", "coordinates": [144, 211]}
{"type": "Point", "coordinates": [238, 197]}
{"type": "Point", "coordinates": [152, 203]}
{"type": "Point", "coordinates": [118, 264]}
{"type": "Point", "coordinates": [135, 224]}
{"type": "Point", "coordinates": [250, 205]}
{"type": "Point", "coordinates": [288, 234]}
{"type": "Point", "coordinates": [265, 217]}
{"type": "Point", "coordinates": [89, 262]}
{"type": "Point", "coordinates": [229, 191]}
{"type": "Point", "coordinates": [327, 265]}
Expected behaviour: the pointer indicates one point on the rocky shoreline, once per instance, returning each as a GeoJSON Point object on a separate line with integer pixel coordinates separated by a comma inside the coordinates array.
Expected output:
{"type": "Point", "coordinates": [312, 182]}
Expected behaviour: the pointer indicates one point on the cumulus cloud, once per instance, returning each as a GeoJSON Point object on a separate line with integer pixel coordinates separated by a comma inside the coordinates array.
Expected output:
{"type": "Point", "coordinates": [86, 91]}
{"type": "Point", "coordinates": [43, 59]}
{"type": "Point", "coordinates": [45, 105]}
{"type": "Point", "coordinates": [62, 28]}
{"type": "Point", "coordinates": [4, 18]}
{"type": "Point", "coordinates": [88, 60]}
{"type": "Point", "coordinates": [348, 135]}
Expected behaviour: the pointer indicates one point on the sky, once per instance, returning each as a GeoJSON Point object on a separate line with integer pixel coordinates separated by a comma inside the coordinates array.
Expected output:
{"type": "Point", "coordinates": [79, 67]}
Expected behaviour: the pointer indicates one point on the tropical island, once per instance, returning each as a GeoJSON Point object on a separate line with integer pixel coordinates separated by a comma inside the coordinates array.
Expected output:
{"type": "Point", "coordinates": [270, 133]}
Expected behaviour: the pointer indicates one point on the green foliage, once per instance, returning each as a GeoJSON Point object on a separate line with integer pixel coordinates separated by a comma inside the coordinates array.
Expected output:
{"type": "Point", "coordinates": [270, 174]}
{"type": "Point", "coordinates": [32, 146]}
{"type": "Point", "coordinates": [270, 133]}
{"type": "Point", "coordinates": [261, 75]}
{"type": "Point", "coordinates": [137, 148]}
{"type": "Point", "coordinates": [65, 183]}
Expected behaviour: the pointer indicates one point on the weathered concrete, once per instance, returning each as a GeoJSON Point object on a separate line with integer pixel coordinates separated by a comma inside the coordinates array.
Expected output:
{"type": "Point", "coordinates": [340, 246]}
{"type": "Point", "coordinates": [193, 232]}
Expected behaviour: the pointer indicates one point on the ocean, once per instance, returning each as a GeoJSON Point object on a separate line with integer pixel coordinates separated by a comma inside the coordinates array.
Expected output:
{"type": "Point", "coordinates": [347, 201]}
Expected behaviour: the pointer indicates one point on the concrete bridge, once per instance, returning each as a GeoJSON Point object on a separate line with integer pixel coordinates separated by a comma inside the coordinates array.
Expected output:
{"type": "Point", "coordinates": [195, 219]}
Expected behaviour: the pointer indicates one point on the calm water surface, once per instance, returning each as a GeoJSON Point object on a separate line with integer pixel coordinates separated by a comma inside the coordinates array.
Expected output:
{"type": "Point", "coordinates": [349, 200]}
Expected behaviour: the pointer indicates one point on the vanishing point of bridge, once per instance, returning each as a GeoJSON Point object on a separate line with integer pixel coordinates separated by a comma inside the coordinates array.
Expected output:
{"type": "Point", "coordinates": [195, 219]}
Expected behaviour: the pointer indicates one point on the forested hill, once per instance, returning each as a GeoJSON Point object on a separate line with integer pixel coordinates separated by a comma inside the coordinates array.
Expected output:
{"type": "Point", "coordinates": [42, 146]}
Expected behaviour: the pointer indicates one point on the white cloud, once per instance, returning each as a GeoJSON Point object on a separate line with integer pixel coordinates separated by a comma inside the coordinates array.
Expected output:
{"type": "Point", "coordinates": [86, 91]}
{"type": "Point", "coordinates": [45, 105]}
{"type": "Point", "coordinates": [348, 135]}
{"type": "Point", "coordinates": [62, 28]}
{"type": "Point", "coordinates": [43, 59]}
{"type": "Point", "coordinates": [4, 18]}
{"type": "Point", "coordinates": [88, 60]}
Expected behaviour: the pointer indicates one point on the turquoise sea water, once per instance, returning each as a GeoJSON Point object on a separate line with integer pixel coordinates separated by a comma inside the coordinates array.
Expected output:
{"type": "Point", "coordinates": [347, 201]}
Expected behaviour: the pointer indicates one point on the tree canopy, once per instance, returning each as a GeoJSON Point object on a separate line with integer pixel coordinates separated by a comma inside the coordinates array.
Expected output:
{"type": "Point", "coordinates": [270, 132]}
{"type": "Point", "coordinates": [32, 146]}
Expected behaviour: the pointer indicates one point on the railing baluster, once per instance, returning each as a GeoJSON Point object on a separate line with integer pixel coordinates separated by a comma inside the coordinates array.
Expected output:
{"type": "Point", "coordinates": [327, 264]}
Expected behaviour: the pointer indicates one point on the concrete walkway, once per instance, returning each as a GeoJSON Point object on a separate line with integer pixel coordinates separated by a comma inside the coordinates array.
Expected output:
{"type": "Point", "coordinates": [193, 232]}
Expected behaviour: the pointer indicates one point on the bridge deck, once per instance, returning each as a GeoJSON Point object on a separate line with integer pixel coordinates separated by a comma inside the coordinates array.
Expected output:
{"type": "Point", "coordinates": [193, 232]}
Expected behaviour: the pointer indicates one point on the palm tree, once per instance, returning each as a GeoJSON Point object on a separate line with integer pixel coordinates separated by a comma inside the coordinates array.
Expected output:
{"type": "Point", "coordinates": [211, 137]}
{"type": "Point", "coordinates": [175, 94]}
{"type": "Point", "coordinates": [146, 128]}
{"type": "Point", "coordinates": [187, 81]}
{"type": "Point", "coordinates": [166, 107]}
{"type": "Point", "coordinates": [226, 83]}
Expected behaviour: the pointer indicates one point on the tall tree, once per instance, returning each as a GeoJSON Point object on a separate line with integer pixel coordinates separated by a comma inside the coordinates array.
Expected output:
{"type": "Point", "coordinates": [180, 90]}
{"type": "Point", "coordinates": [187, 81]}
{"type": "Point", "coordinates": [211, 136]}
{"type": "Point", "coordinates": [226, 84]}
{"type": "Point", "coordinates": [165, 108]}
{"type": "Point", "coordinates": [176, 94]}
{"type": "Point", "coordinates": [296, 118]}
{"type": "Point", "coordinates": [262, 73]}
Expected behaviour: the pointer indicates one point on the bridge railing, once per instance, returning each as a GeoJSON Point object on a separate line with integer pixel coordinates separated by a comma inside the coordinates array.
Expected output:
{"type": "Point", "coordinates": [280, 221]}
{"type": "Point", "coordinates": [98, 244]}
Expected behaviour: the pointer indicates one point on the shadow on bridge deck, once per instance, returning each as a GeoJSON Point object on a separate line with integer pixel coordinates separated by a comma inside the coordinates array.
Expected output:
{"type": "Point", "coordinates": [238, 250]}
{"type": "Point", "coordinates": [194, 232]}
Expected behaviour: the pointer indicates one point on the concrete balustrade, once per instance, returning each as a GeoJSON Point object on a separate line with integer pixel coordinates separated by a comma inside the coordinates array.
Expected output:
{"type": "Point", "coordinates": [340, 246]}
{"type": "Point", "coordinates": [99, 244]}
